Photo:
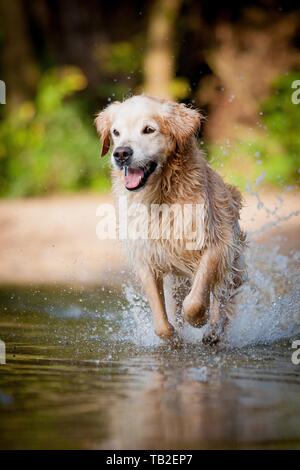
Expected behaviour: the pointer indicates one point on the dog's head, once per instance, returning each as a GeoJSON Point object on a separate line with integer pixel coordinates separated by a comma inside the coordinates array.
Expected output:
{"type": "Point", "coordinates": [144, 132]}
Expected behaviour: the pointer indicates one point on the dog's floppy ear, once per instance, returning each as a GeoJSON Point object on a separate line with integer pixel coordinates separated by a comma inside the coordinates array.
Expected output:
{"type": "Point", "coordinates": [103, 124]}
{"type": "Point", "coordinates": [182, 123]}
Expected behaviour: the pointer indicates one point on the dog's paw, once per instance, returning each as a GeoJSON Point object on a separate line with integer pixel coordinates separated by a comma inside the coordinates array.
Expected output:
{"type": "Point", "coordinates": [213, 334]}
{"type": "Point", "coordinates": [165, 331]}
{"type": "Point", "coordinates": [211, 338]}
{"type": "Point", "coordinates": [194, 313]}
{"type": "Point", "coordinates": [175, 341]}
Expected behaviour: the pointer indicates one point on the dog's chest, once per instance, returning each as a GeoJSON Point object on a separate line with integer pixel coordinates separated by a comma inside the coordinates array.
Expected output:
{"type": "Point", "coordinates": [166, 237]}
{"type": "Point", "coordinates": [163, 255]}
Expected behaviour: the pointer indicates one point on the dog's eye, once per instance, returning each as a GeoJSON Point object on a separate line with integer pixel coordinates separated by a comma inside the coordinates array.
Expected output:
{"type": "Point", "coordinates": [148, 130]}
{"type": "Point", "coordinates": [116, 133]}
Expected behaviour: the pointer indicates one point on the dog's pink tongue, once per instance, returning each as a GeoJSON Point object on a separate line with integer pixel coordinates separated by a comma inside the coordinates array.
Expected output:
{"type": "Point", "coordinates": [133, 178]}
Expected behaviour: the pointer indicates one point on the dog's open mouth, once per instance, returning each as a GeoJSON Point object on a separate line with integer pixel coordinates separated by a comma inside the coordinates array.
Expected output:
{"type": "Point", "coordinates": [136, 178]}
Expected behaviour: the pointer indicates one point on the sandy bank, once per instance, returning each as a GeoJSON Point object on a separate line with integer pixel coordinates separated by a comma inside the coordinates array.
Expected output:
{"type": "Point", "coordinates": [53, 240]}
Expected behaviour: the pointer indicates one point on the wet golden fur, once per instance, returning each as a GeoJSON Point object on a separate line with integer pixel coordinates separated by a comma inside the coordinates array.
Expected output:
{"type": "Point", "coordinates": [216, 269]}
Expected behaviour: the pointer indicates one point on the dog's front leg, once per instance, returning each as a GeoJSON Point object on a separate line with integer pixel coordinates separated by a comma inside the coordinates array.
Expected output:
{"type": "Point", "coordinates": [217, 322]}
{"type": "Point", "coordinates": [153, 288]}
{"type": "Point", "coordinates": [196, 303]}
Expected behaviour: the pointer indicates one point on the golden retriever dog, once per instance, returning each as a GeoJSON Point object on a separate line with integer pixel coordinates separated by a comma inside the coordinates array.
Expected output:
{"type": "Point", "coordinates": [156, 163]}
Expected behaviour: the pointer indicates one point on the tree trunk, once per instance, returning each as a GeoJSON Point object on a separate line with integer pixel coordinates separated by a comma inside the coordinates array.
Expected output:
{"type": "Point", "coordinates": [159, 65]}
{"type": "Point", "coordinates": [20, 71]}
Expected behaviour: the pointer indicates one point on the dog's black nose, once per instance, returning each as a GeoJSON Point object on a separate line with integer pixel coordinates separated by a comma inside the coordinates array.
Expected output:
{"type": "Point", "coordinates": [122, 154]}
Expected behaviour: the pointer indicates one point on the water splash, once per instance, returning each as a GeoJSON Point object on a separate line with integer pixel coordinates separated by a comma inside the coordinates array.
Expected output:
{"type": "Point", "coordinates": [268, 306]}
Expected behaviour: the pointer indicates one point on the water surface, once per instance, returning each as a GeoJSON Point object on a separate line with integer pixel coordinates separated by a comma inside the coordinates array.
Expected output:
{"type": "Point", "coordinates": [84, 370]}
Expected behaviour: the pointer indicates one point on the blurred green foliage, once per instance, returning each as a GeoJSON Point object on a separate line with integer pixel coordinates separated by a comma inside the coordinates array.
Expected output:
{"type": "Point", "coordinates": [270, 153]}
{"type": "Point", "coordinates": [121, 64]}
{"type": "Point", "coordinates": [48, 145]}
{"type": "Point", "coordinates": [122, 57]}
